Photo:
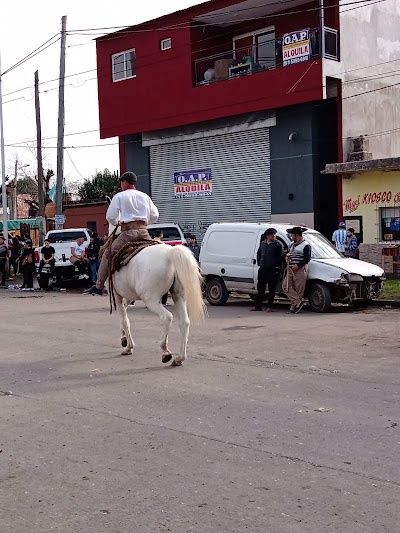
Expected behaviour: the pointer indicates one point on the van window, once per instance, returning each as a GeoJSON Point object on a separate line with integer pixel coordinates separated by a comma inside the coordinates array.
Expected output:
{"type": "Point", "coordinates": [239, 244]}
{"type": "Point", "coordinates": [66, 236]}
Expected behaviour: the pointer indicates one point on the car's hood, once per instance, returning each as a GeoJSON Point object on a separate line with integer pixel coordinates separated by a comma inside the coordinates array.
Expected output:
{"type": "Point", "coordinates": [353, 266]}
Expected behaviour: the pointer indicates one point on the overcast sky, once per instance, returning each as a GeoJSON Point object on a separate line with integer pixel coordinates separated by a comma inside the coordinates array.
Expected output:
{"type": "Point", "coordinates": [25, 25]}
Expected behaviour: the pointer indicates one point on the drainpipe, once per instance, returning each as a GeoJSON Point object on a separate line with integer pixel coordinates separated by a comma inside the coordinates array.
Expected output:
{"type": "Point", "coordinates": [322, 27]}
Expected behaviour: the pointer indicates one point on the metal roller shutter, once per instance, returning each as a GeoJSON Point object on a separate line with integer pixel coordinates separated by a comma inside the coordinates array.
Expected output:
{"type": "Point", "coordinates": [241, 191]}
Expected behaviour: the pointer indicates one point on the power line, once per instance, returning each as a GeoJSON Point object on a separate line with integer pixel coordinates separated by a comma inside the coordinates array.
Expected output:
{"type": "Point", "coordinates": [70, 158]}
{"type": "Point", "coordinates": [189, 44]}
{"type": "Point", "coordinates": [16, 143]}
{"type": "Point", "coordinates": [185, 25]}
{"type": "Point", "coordinates": [34, 53]}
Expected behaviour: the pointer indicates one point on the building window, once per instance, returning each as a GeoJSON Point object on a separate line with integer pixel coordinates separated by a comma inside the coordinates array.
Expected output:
{"type": "Point", "coordinates": [124, 65]}
{"type": "Point", "coordinates": [257, 48]}
{"type": "Point", "coordinates": [92, 226]}
{"type": "Point", "coordinates": [166, 44]}
{"type": "Point", "coordinates": [390, 223]}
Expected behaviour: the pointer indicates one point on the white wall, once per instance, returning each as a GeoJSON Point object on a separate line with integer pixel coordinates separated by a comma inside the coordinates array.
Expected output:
{"type": "Point", "coordinates": [370, 35]}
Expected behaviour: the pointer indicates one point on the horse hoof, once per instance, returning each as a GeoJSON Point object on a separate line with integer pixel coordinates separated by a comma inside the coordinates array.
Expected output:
{"type": "Point", "coordinates": [127, 352]}
{"type": "Point", "coordinates": [176, 363]}
{"type": "Point", "coordinates": [166, 358]}
{"type": "Point", "coordinates": [124, 342]}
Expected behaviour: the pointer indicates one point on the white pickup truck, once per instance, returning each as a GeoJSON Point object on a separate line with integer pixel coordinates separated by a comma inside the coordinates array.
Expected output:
{"type": "Point", "coordinates": [61, 241]}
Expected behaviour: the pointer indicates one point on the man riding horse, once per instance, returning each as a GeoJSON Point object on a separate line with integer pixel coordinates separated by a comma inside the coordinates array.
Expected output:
{"type": "Point", "coordinates": [132, 210]}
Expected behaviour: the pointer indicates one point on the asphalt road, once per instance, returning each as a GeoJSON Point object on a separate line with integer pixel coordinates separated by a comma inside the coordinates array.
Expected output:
{"type": "Point", "coordinates": [275, 423]}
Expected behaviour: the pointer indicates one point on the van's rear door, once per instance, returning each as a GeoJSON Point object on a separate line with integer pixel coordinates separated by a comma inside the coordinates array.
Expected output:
{"type": "Point", "coordinates": [229, 253]}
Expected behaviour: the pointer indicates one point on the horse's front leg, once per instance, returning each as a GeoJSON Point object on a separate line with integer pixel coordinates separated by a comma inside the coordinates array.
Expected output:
{"type": "Point", "coordinates": [126, 337]}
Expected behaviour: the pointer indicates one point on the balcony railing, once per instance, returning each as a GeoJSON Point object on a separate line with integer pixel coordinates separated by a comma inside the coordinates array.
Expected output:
{"type": "Point", "coordinates": [245, 61]}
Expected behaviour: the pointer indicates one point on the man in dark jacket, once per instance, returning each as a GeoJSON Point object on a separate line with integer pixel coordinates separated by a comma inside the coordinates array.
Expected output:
{"type": "Point", "coordinates": [269, 259]}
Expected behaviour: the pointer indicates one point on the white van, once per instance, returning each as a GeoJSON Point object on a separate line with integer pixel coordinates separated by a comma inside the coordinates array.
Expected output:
{"type": "Point", "coordinates": [228, 262]}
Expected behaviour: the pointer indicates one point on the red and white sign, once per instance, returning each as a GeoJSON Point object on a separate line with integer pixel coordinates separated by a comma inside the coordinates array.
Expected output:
{"type": "Point", "coordinates": [296, 47]}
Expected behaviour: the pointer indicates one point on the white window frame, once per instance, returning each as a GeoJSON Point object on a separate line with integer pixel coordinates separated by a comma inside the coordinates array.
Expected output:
{"type": "Point", "coordinates": [167, 40]}
{"type": "Point", "coordinates": [124, 52]}
{"type": "Point", "coordinates": [268, 29]}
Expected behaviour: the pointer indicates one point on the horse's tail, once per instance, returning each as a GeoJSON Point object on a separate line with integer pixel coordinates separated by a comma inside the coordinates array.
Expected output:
{"type": "Point", "coordinates": [187, 273]}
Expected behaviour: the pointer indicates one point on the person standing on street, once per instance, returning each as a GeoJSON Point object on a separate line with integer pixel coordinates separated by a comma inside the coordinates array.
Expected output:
{"type": "Point", "coordinates": [3, 260]}
{"type": "Point", "coordinates": [194, 247]}
{"type": "Point", "coordinates": [27, 262]}
{"type": "Point", "coordinates": [294, 282]}
{"type": "Point", "coordinates": [269, 259]}
{"type": "Point", "coordinates": [351, 244]}
{"type": "Point", "coordinates": [339, 237]}
{"type": "Point", "coordinates": [133, 210]}
{"type": "Point", "coordinates": [15, 253]}
{"type": "Point", "coordinates": [93, 256]}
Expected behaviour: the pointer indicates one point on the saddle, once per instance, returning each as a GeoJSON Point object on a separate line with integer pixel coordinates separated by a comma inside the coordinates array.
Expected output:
{"type": "Point", "coordinates": [127, 252]}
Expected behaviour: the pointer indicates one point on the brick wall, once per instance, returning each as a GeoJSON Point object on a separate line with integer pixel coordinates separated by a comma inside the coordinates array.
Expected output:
{"type": "Point", "coordinates": [372, 253]}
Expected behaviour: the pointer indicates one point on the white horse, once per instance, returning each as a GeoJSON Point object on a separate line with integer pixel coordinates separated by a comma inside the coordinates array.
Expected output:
{"type": "Point", "coordinates": [151, 273]}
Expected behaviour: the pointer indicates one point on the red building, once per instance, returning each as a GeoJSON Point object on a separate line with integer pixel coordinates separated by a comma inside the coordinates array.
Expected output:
{"type": "Point", "coordinates": [87, 215]}
{"type": "Point", "coordinates": [231, 93]}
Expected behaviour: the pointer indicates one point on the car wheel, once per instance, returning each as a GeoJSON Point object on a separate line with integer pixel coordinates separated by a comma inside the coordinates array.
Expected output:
{"type": "Point", "coordinates": [319, 298]}
{"type": "Point", "coordinates": [216, 292]}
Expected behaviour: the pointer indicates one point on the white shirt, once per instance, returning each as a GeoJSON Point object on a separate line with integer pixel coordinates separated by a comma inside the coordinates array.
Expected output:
{"type": "Point", "coordinates": [130, 205]}
{"type": "Point", "coordinates": [339, 237]}
{"type": "Point", "coordinates": [78, 249]}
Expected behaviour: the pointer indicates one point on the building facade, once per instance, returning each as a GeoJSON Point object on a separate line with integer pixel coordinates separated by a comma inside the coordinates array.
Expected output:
{"type": "Point", "coordinates": [371, 205]}
{"type": "Point", "coordinates": [230, 110]}
{"type": "Point", "coordinates": [91, 215]}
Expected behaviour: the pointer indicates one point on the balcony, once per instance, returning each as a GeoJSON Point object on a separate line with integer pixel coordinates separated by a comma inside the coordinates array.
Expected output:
{"type": "Point", "coordinates": [266, 53]}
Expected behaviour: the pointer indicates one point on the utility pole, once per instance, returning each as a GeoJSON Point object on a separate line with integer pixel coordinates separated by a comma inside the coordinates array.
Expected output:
{"type": "Point", "coordinates": [61, 120]}
{"type": "Point", "coordinates": [3, 166]}
{"type": "Point", "coordinates": [39, 159]}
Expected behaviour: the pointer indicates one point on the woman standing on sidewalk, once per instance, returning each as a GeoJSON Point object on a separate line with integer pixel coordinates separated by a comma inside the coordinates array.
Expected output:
{"type": "Point", "coordinates": [27, 262]}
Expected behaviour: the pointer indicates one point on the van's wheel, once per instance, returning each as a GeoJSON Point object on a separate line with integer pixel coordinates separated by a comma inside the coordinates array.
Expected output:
{"type": "Point", "coordinates": [216, 292]}
{"type": "Point", "coordinates": [319, 298]}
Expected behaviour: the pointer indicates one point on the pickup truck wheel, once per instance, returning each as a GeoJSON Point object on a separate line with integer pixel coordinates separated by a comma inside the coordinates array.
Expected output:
{"type": "Point", "coordinates": [319, 298]}
{"type": "Point", "coordinates": [216, 292]}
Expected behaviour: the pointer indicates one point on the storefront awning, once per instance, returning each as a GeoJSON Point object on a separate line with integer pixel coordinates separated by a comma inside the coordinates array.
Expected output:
{"type": "Point", "coordinates": [357, 167]}
{"type": "Point", "coordinates": [16, 224]}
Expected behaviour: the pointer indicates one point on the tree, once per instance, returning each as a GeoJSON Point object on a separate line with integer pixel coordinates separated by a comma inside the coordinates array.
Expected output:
{"type": "Point", "coordinates": [27, 185]}
{"type": "Point", "coordinates": [100, 186]}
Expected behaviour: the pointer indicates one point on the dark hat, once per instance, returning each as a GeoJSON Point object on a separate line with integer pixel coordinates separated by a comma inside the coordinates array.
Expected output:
{"type": "Point", "coordinates": [130, 177]}
{"type": "Point", "coordinates": [27, 241]}
{"type": "Point", "coordinates": [342, 224]}
{"type": "Point", "coordinates": [296, 230]}
{"type": "Point", "coordinates": [270, 231]}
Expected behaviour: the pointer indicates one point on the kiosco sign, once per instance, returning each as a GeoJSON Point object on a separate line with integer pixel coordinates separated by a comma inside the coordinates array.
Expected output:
{"type": "Point", "coordinates": [296, 47]}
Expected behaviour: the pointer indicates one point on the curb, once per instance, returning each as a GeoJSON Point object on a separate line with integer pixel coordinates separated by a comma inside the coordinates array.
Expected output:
{"type": "Point", "coordinates": [385, 303]}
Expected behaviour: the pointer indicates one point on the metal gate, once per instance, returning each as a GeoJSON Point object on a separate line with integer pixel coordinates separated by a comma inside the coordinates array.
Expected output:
{"type": "Point", "coordinates": [240, 166]}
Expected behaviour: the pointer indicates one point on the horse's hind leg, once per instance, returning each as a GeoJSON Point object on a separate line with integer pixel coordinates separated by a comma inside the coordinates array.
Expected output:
{"type": "Point", "coordinates": [184, 325]}
{"type": "Point", "coordinates": [166, 320]}
{"type": "Point", "coordinates": [126, 337]}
